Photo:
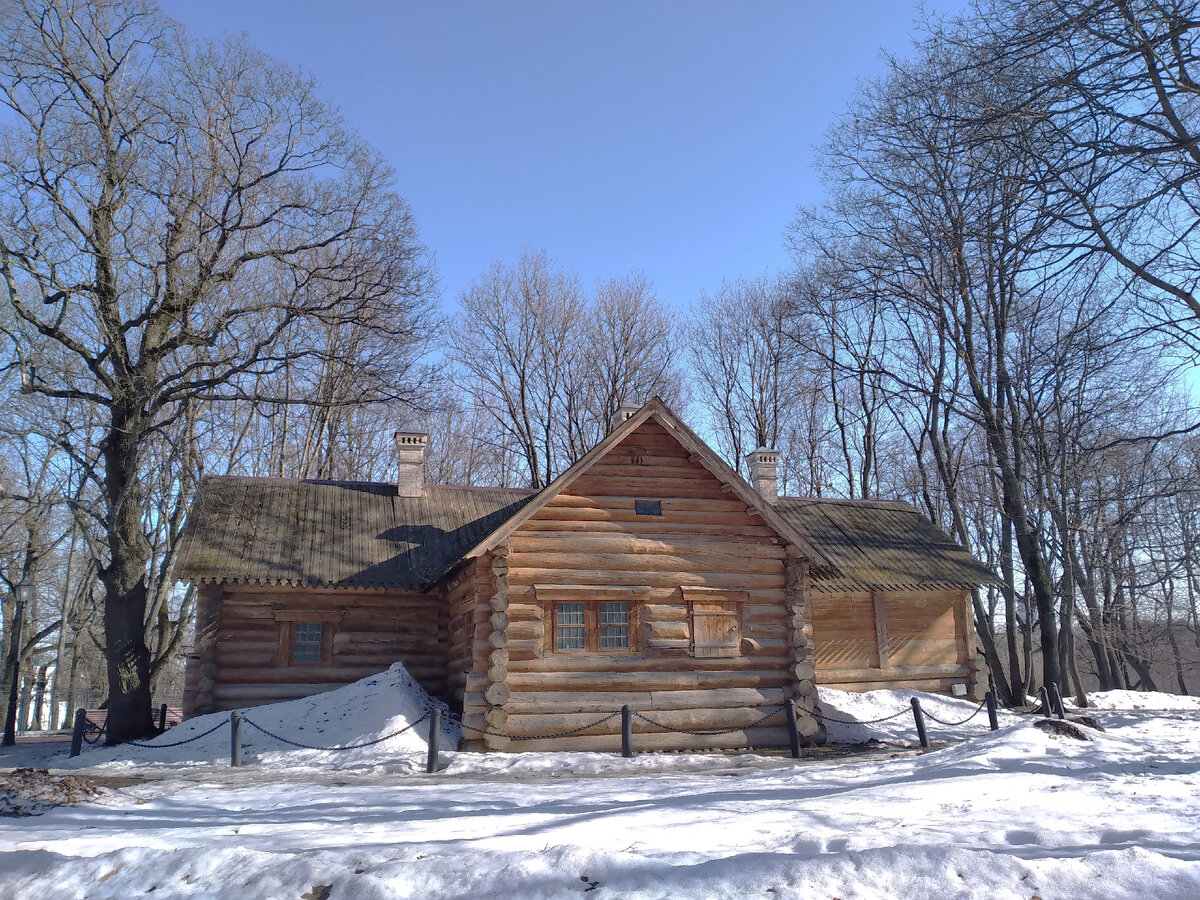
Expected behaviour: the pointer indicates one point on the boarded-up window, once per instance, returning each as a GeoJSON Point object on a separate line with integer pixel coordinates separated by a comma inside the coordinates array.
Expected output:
{"type": "Point", "coordinates": [716, 631]}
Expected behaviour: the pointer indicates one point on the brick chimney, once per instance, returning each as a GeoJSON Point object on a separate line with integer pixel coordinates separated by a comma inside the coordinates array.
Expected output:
{"type": "Point", "coordinates": [764, 468]}
{"type": "Point", "coordinates": [410, 459]}
{"type": "Point", "coordinates": [623, 414]}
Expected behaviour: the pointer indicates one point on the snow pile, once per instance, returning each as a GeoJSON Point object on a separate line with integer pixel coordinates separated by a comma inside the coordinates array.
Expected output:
{"type": "Point", "coordinates": [852, 718]}
{"type": "Point", "coordinates": [358, 715]}
{"type": "Point", "coordinates": [1011, 814]}
{"type": "Point", "coordinates": [1155, 700]}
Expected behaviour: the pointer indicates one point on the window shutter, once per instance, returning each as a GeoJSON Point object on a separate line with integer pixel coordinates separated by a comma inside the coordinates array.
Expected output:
{"type": "Point", "coordinates": [715, 629]}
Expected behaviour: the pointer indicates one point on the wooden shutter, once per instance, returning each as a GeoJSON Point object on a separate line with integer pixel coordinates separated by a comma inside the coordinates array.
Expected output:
{"type": "Point", "coordinates": [715, 629]}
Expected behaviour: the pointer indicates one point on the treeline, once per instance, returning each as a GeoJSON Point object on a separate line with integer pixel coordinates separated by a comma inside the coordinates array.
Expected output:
{"type": "Point", "coordinates": [993, 317]}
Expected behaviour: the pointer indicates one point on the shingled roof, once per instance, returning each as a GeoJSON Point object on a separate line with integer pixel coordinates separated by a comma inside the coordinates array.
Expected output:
{"type": "Point", "coordinates": [359, 534]}
{"type": "Point", "coordinates": [335, 533]}
{"type": "Point", "coordinates": [880, 545]}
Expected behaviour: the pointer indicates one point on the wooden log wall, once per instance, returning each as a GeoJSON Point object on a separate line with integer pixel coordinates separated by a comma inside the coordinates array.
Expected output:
{"type": "Point", "coordinates": [461, 591]}
{"type": "Point", "coordinates": [895, 639]}
{"type": "Point", "coordinates": [242, 661]}
{"type": "Point", "coordinates": [589, 542]}
{"type": "Point", "coordinates": [200, 671]}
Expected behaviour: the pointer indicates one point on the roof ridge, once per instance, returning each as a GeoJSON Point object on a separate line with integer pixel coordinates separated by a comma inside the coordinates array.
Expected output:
{"type": "Point", "coordinates": [847, 501]}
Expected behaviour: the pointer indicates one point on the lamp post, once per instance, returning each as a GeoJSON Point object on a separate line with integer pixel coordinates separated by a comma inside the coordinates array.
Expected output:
{"type": "Point", "coordinates": [24, 592]}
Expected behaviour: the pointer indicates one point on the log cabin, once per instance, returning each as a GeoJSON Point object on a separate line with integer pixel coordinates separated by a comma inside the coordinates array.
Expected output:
{"type": "Point", "coordinates": [649, 574]}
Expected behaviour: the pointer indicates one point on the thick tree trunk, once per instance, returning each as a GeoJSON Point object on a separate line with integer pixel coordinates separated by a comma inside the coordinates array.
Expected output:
{"type": "Point", "coordinates": [127, 656]}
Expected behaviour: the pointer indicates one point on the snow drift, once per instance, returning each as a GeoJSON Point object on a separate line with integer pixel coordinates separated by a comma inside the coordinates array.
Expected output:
{"type": "Point", "coordinates": [390, 705]}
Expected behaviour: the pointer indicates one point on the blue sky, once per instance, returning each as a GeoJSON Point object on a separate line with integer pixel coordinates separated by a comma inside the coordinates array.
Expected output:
{"type": "Point", "coordinates": [671, 137]}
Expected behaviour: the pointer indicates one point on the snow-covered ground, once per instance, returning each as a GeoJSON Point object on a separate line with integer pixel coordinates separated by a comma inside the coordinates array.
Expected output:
{"type": "Point", "coordinates": [1014, 813]}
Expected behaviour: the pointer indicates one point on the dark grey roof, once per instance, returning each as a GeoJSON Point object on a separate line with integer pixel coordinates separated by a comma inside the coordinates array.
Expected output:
{"type": "Point", "coordinates": [358, 534]}
{"type": "Point", "coordinates": [335, 533]}
{"type": "Point", "coordinates": [880, 544]}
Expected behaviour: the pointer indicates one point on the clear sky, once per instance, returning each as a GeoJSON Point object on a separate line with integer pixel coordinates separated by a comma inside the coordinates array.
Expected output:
{"type": "Point", "coordinates": [671, 137]}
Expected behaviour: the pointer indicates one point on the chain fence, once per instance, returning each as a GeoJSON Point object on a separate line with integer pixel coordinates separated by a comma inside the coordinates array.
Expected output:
{"type": "Point", "coordinates": [977, 711]}
{"type": "Point", "coordinates": [457, 720]}
{"type": "Point", "coordinates": [713, 732]}
{"type": "Point", "coordinates": [371, 743]}
{"type": "Point", "coordinates": [195, 737]}
{"type": "Point", "coordinates": [825, 717]}
{"type": "Point", "coordinates": [92, 734]}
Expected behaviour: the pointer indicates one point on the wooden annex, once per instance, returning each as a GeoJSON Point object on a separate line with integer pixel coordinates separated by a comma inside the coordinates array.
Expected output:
{"type": "Point", "coordinates": [649, 574]}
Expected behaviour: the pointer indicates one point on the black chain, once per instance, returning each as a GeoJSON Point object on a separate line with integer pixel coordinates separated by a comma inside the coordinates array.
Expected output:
{"type": "Point", "coordinates": [372, 743]}
{"type": "Point", "coordinates": [827, 718]}
{"type": "Point", "coordinates": [99, 733]}
{"type": "Point", "coordinates": [955, 724]}
{"type": "Point", "coordinates": [194, 737]}
{"type": "Point", "coordinates": [533, 737]}
{"type": "Point", "coordinates": [712, 733]}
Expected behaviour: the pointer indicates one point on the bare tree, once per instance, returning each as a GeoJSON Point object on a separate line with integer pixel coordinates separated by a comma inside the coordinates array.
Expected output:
{"type": "Point", "coordinates": [178, 220]}
{"type": "Point", "coordinates": [512, 339]}
{"type": "Point", "coordinates": [748, 368]}
{"type": "Point", "coordinates": [1113, 86]}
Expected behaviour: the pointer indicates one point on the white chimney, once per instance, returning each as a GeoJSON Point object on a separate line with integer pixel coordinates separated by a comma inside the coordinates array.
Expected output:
{"type": "Point", "coordinates": [624, 413]}
{"type": "Point", "coordinates": [764, 469]}
{"type": "Point", "coordinates": [410, 459]}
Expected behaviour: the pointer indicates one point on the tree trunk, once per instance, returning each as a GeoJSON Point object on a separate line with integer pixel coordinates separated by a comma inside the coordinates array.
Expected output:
{"type": "Point", "coordinates": [126, 654]}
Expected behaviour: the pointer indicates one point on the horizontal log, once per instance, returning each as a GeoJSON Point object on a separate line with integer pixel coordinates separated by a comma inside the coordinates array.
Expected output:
{"type": "Point", "coordinates": [827, 675]}
{"type": "Point", "coordinates": [700, 561]}
{"type": "Point", "coordinates": [665, 579]}
{"type": "Point", "coordinates": [532, 723]}
{"type": "Point", "coordinates": [644, 527]}
{"type": "Point", "coordinates": [760, 629]}
{"type": "Point", "coordinates": [579, 502]}
{"type": "Point", "coordinates": [555, 702]}
{"type": "Point", "coordinates": [549, 542]}
{"type": "Point", "coordinates": [672, 488]}
{"type": "Point", "coordinates": [269, 693]}
{"type": "Point", "coordinates": [522, 680]}
{"type": "Point", "coordinates": [932, 685]}
{"type": "Point", "coordinates": [619, 462]}
{"type": "Point", "coordinates": [665, 643]}
{"type": "Point", "coordinates": [522, 649]}
{"type": "Point", "coordinates": [659, 630]}
{"type": "Point", "coordinates": [762, 737]}
{"type": "Point", "coordinates": [303, 674]}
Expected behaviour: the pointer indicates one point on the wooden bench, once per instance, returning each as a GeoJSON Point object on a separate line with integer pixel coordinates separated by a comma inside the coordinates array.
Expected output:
{"type": "Point", "coordinates": [97, 718]}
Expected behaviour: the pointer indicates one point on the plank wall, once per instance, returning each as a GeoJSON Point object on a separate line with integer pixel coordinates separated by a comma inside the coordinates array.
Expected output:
{"type": "Point", "coordinates": [591, 535]}
{"type": "Point", "coordinates": [240, 663]}
{"type": "Point", "coordinates": [893, 639]}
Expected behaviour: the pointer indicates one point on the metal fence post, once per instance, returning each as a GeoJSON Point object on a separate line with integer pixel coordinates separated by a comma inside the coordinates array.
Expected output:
{"type": "Point", "coordinates": [162, 717]}
{"type": "Point", "coordinates": [920, 720]}
{"type": "Point", "coordinates": [626, 732]}
{"type": "Point", "coordinates": [793, 729]}
{"type": "Point", "coordinates": [435, 733]}
{"type": "Point", "coordinates": [235, 738]}
{"type": "Point", "coordinates": [77, 734]}
{"type": "Point", "coordinates": [1056, 701]}
{"type": "Point", "coordinates": [1044, 699]}
{"type": "Point", "coordinates": [993, 721]}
